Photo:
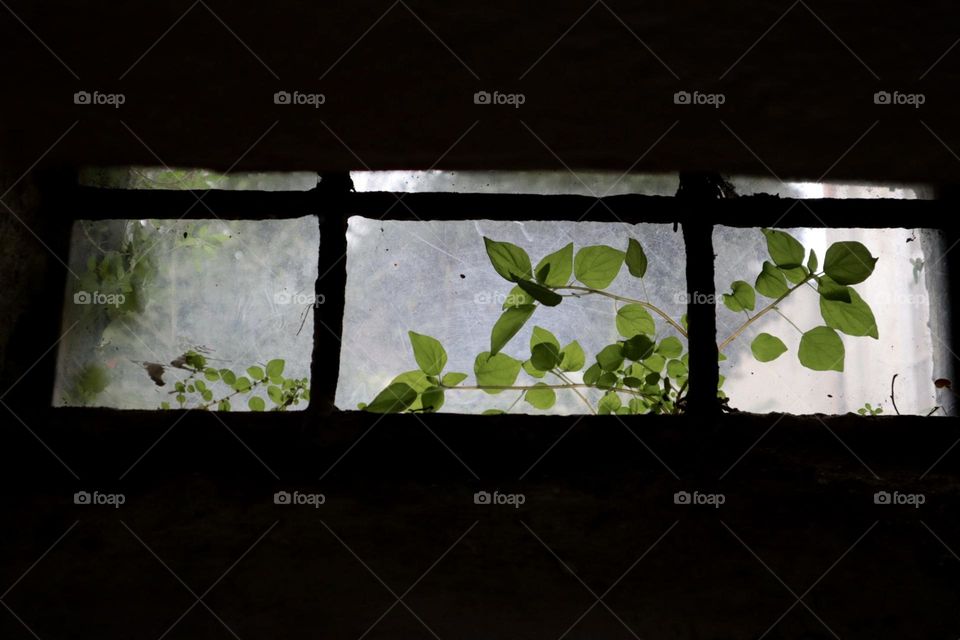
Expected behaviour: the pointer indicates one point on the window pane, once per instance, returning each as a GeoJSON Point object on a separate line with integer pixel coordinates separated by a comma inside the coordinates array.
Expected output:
{"type": "Point", "coordinates": [181, 178]}
{"type": "Point", "coordinates": [894, 322]}
{"type": "Point", "coordinates": [436, 279]}
{"type": "Point", "coordinates": [149, 302]}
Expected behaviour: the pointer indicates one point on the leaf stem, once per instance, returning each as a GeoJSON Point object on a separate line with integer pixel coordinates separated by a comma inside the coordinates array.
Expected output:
{"type": "Point", "coordinates": [660, 312]}
{"type": "Point", "coordinates": [733, 336]}
{"type": "Point", "coordinates": [575, 390]}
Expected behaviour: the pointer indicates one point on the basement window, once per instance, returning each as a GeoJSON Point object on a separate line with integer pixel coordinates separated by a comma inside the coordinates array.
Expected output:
{"type": "Point", "coordinates": [895, 324]}
{"type": "Point", "coordinates": [214, 314]}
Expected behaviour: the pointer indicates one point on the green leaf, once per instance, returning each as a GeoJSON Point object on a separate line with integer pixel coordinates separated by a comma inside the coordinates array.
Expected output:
{"type": "Point", "coordinates": [848, 262]}
{"type": "Point", "coordinates": [540, 335]}
{"type": "Point", "coordinates": [211, 374]}
{"type": "Point", "coordinates": [453, 378]}
{"type": "Point", "coordinates": [766, 347]}
{"type": "Point", "coordinates": [608, 380]}
{"type": "Point", "coordinates": [670, 347]}
{"type": "Point", "coordinates": [532, 370]}
{"type": "Point", "coordinates": [592, 374]}
{"type": "Point", "coordinates": [499, 370]}
{"type": "Point", "coordinates": [517, 298]}
{"type": "Point", "coordinates": [676, 369]}
{"type": "Point", "coordinates": [784, 249]}
{"type": "Point", "coordinates": [540, 293]}
{"type": "Point", "coordinates": [633, 319]}
{"type": "Point", "coordinates": [821, 349]}
{"type": "Point", "coordinates": [493, 412]}
{"type": "Point", "coordinates": [771, 281]}
{"type": "Point", "coordinates": [655, 362]}
{"type": "Point", "coordinates": [832, 291]}
{"type": "Point", "coordinates": [432, 399]}
{"type": "Point", "coordinates": [509, 260]}
{"type": "Point", "coordinates": [394, 399]}
{"type": "Point", "coordinates": [598, 265]}
{"type": "Point", "coordinates": [242, 384]}
{"type": "Point", "coordinates": [508, 325]}
{"type": "Point", "coordinates": [610, 357]}
{"type": "Point", "coordinates": [255, 373]}
{"type": "Point", "coordinates": [223, 405]}
{"type": "Point", "coordinates": [541, 396]}
{"type": "Point", "coordinates": [228, 377]}
{"type": "Point", "coordinates": [812, 262]}
{"type": "Point", "coordinates": [416, 380]}
{"type": "Point", "coordinates": [572, 357]}
{"type": "Point", "coordinates": [742, 297]}
{"type": "Point", "coordinates": [795, 275]}
{"type": "Point", "coordinates": [430, 355]}
{"type": "Point", "coordinates": [636, 259]}
{"type": "Point", "coordinates": [275, 368]}
{"type": "Point", "coordinates": [256, 403]}
{"type": "Point", "coordinates": [609, 403]}
{"type": "Point", "coordinates": [545, 356]}
{"type": "Point", "coordinates": [275, 393]}
{"type": "Point", "coordinates": [639, 347]}
{"type": "Point", "coordinates": [555, 269]}
{"type": "Point", "coordinates": [854, 318]}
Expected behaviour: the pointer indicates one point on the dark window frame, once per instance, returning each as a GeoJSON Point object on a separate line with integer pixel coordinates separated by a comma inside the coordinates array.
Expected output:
{"type": "Point", "coordinates": [695, 217]}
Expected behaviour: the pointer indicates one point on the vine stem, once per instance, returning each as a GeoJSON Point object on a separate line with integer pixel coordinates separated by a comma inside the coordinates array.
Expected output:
{"type": "Point", "coordinates": [660, 312]}
{"type": "Point", "coordinates": [733, 336]}
{"type": "Point", "coordinates": [572, 385]}
{"type": "Point", "coordinates": [576, 391]}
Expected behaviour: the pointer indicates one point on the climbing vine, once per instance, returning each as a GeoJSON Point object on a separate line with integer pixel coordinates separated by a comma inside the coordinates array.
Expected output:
{"type": "Point", "coordinates": [644, 371]}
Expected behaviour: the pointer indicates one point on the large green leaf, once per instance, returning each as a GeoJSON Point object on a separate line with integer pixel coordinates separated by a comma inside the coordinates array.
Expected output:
{"type": "Point", "coordinates": [541, 396]}
{"type": "Point", "coordinates": [639, 347]}
{"type": "Point", "coordinates": [636, 259]}
{"type": "Point", "coordinates": [573, 357]}
{"type": "Point", "coordinates": [610, 357]}
{"type": "Point", "coordinates": [510, 322]}
{"type": "Point", "coordinates": [742, 297]}
{"type": "Point", "coordinates": [766, 347]}
{"type": "Point", "coordinates": [555, 269]}
{"type": "Point", "coordinates": [544, 356]}
{"type": "Point", "coordinates": [394, 399]}
{"type": "Point", "coordinates": [540, 293]}
{"type": "Point", "coordinates": [539, 334]}
{"type": "Point", "coordinates": [498, 370]}
{"type": "Point", "coordinates": [783, 248]}
{"type": "Point", "coordinates": [832, 291]}
{"type": "Point", "coordinates": [509, 260]}
{"type": "Point", "coordinates": [598, 265]}
{"type": "Point", "coordinates": [848, 262]}
{"type": "Point", "coordinates": [633, 319]}
{"type": "Point", "coordinates": [821, 349]}
{"type": "Point", "coordinates": [854, 318]}
{"type": "Point", "coordinates": [430, 355]}
{"type": "Point", "coordinates": [670, 347]}
{"type": "Point", "coordinates": [771, 281]}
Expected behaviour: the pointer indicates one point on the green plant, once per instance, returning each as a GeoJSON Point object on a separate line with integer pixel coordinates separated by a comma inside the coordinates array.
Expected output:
{"type": "Point", "coordinates": [869, 410]}
{"type": "Point", "coordinates": [206, 387]}
{"type": "Point", "coordinates": [646, 370]}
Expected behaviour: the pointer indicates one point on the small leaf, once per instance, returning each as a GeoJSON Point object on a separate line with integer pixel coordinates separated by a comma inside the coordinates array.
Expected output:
{"type": "Point", "coordinates": [532, 371]}
{"type": "Point", "coordinates": [610, 357]}
{"type": "Point", "coordinates": [795, 275]}
{"type": "Point", "coordinates": [517, 298]}
{"type": "Point", "coordinates": [766, 347]}
{"type": "Point", "coordinates": [255, 373]}
{"type": "Point", "coordinates": [832, 291]}
{"type": "Point", "coordinates": [540, 335]}
{"type": "Point", "coordinates": [572, 357]}
{"type": "Point", "coordinates": [639, 347]}
{"type": "Point", "coordinates": [275, 368]}
{"type": "Point", "coordinates": [676, 369]}
{"type": "Point", "coordinates": [812, 262]}
{"type": "Point", "coordinates": [742, 297]}
{"type": "Point", "coordinates": [394, 399]}
{"type": "Point", "coordinates": [430, 355]}
{"type": "Point", "coordinates": [211, 374]}
{"type": "Point", "coordinates": [609, 403]}
{"type": "Point", "coordinates": [432, 399]}
{"type": "Point", "coordinates": [541, 396]}
{"type": "Point", "coordinates": [540, 293]}
{"type": "Point", "coordinates": [508, 325]}
{"type": "Point", "coordinates": [556, 268]}
{"type": "Point", "coordinates": [242, 384]}
{"type": "Point", "coordinates": [453, 378]}
{"type": "Point", "coordinates": [633, 319]}
{"type": "Point", "coordinates": [545, 356]}
{"type": "Point", "coordinates": [771, 281]}
{"type": "Point", "coordinates": [783, 248]}
{"type": "Point", "coordinates": [509, 260]}
{"type": "Point", "coordinates": [223, 405]}
{"type": "Point", "coordinates": [821, 349]}
{"type": "Point", "coordinates": [499, 370]}
{"type": "Point", "coordinates": [848, 262]}
{"type": "Point", "coordinates": [228, 377]}
{"type": "Point", "coordinates": [592, 374]}
{"type": "Point", "coordinates": [493, 412]}
{"type": "Point", "coordinates": [636, 259]}
{"type": "Point", "coordinates": [275, 394]}
{"type": "Point", "coordinates": [256, 403]}
{"type": "Point", "coordinates": [598, 265]}
{"type": "Point", "coordinates": [670, 347]}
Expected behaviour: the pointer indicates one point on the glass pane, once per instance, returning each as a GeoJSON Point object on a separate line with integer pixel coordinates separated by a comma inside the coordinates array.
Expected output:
{"type": "Point", "coordinates": [162, 313]}
{"type": "Point", "coordinates": [748, 186]}
{"type": "Point", "coordinates": [892, 323]}
{"type": "Point", "coordinates": [181, 178]}
{"type": "Point", "coordinates": [436, 279]}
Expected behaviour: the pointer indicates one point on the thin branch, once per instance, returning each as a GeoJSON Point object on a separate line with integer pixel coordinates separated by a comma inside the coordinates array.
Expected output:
{"type": "Point", "coordinates": [660, 312]}
{"type": "Point", "coordinates": [733, 336]}
{"type": "Point", "coordinates": [893, 398]}
{"type": "Point", "coordinates": [576, 391]}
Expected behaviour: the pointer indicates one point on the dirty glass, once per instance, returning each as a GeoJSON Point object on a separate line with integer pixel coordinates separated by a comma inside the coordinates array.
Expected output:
{"type": "Point", "coordinates": [199, 314]}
